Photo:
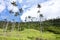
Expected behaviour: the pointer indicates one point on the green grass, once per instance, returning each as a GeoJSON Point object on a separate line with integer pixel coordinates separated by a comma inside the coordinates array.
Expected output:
{"type": "Point", "coordinates": [28, 34]}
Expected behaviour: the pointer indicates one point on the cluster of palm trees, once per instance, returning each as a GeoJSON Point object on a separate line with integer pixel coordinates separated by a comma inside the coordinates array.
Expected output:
{"type": "Point", "coordinates": [40, 17]}
{"type": "Point", "coordinates": [13, 23]}
{"type": "Point", "coordinates": [18, 13]}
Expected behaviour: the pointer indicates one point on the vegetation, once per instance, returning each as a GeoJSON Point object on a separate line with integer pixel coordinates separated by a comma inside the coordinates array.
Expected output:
{"type": "Point", "coordinates": [28, 34]}
{"type": "Point", "coordinates": [31, 31]}
{"type": "Point", "coordinates": [39, 30]}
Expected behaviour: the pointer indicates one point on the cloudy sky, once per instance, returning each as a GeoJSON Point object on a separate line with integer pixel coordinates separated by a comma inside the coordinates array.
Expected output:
{"type": "Point", "coordinates": [49, 8]}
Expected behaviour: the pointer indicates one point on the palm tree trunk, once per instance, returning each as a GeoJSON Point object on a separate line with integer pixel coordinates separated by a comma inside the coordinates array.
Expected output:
{"type": "Point", "coordinates": [19, 27]}
{"type": "Point", "coordinates": [6, 28]}
{"type": "Point", "coordinates": [13, 26]}
{"type": "Point", "coordinates": [40, 25]}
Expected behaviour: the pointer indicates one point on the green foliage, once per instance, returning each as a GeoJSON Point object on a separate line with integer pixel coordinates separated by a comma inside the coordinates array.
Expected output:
{"type": "Point", "coordinates": [28, 34]}
{"type": "Point", "coordinates": [48, 25]}
{"type": "Point", "coordinates": [31, 30]}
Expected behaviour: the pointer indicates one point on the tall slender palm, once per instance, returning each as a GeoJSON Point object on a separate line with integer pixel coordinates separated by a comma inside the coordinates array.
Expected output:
{"type": "Point", "coordinates": [13, 25]}
{"type": "Point", "coordinates": [32, 18]}
{"type": "Point", "coordinates": [40, 16]}
{"type": "Point", "coordinates": [21, 11]}
{"type": "Point", "coordinates": [25, 20]}
{"type": "Point", "coordinates": [11, 12]}
{"type": "Point", "coordinates": [38, 6]}
{"type": "Point", "coordinates": [14, 3]}
{"type": "Point", "coordinates": [40, 19]}
{"type": "Point", "coordinates": [6, 24]}
{"type": "Point", "coordinates": [6, 27]}
{"type": "Point", "coordinates": [29, 17]}
{"type": "Point", "coordinates": [16, 14]}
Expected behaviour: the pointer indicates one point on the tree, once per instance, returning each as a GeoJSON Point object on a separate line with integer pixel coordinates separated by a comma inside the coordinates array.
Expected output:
{"type": "Point", "coordinates": [25, 19]}
{"type": "Point", "coordinates": [7, 23]}
{"type": "Point", "coordinates": [11, 11]}
{"type": "Point", "coordinates": [16, 14]}
{"type": "Point", "coordinates": [32, 19]}
{"type": "Point", "coordinates": [14, 3]}
{"type": "Point", "coordinates": [4, 25]}
{"type": "Point", "coordinates": [13, 25]}
{"type": "Point", "coordinates": [29, 17]}
{"type": "Point", "coordinates": [40, 17]}
{"type": "Point", "coordinates": [39, 6]}
{"type": "Point", "coordinates": [21, 10]}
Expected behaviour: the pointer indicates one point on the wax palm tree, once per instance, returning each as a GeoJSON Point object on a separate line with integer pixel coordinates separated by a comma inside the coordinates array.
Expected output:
{"type": "Point", "coordinates": [29, 17]}
{"type": "Point", "coordinates": [11, 12]}
{"type": "Point", "coordinates": [41, 17]}
{"type": "Point", "coordinates": [32, 19]}
{"type": "Point", "coordinates": [16, 14]}
{"type": "Point", "coordinates": [39, 6]}
{"type": "Point", "coordinates": [13, 25]}
{"type": "Point", "coordinates": [6, 26]}
{"type": "Point", "coordinates": [40, 20]}
{"type": "Point", "coordinates": [21, 10]}
{"type": "Point", "coordinates": [14, 3]}
{"type": "Point", "coordinates": [25, 19]}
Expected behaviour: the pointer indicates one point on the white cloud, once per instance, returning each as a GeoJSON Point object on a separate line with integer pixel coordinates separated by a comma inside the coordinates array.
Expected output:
{"type": "Point", "coordinates": [2, 5]}
{"type": "Point", "coordinates": [20, 1]}
{"type": "Point", "coordinates": [12, 0]}
{"type": "Point", "coordinates": [50, 9]}
{"type": "Point", "coordinates": [13, 8]}
{"type": "Point", "coordinates": [32, 12]}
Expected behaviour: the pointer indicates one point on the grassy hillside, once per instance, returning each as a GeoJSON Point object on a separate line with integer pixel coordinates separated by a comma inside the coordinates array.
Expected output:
{"type": "Point", "coordinates": [28, 34]}
{"type": "Point", "coordinates": [31, 30]}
